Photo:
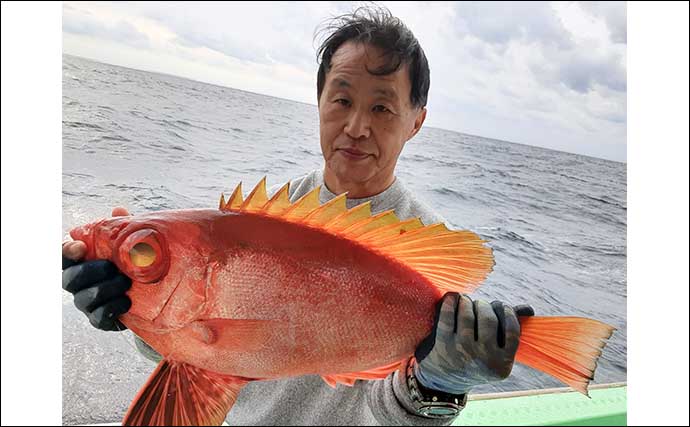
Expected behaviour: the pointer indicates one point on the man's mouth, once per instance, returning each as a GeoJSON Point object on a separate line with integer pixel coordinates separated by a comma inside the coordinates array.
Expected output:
{"type": "Point", "coordinates": [352, 153]}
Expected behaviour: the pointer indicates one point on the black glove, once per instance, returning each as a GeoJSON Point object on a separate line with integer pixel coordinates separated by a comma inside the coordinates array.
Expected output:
{"type": "Point", "coordinates": [99, 291]}
{"type": "Point", "coordinates": [472, 343]}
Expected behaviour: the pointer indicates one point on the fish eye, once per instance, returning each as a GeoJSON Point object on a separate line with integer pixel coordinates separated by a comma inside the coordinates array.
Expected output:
{"type": "Point", "coordinates": [142, 255]}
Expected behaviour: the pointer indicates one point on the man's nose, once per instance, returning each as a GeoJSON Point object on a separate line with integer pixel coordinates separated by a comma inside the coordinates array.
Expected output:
{"type": "Point", "coordinates": [358, 124]}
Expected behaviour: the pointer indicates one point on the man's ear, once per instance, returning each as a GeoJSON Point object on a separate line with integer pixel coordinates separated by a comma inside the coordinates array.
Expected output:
{"type": "Point", "coordinates": [418, 121]}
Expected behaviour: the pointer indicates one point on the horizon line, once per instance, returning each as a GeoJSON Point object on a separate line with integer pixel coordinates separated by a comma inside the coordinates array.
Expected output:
{"type": "Point", "coordinates": [315, 105]}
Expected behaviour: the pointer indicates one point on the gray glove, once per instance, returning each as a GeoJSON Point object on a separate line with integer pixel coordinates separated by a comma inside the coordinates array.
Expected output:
{"type": "Point", "coordinates": [472, 343]}
{"type": "Point", "coordinates": [99, 291]}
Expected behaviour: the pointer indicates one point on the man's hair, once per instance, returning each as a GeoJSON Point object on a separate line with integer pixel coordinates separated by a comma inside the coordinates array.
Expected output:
{"type": "Point", "coordinates": [378, 27]}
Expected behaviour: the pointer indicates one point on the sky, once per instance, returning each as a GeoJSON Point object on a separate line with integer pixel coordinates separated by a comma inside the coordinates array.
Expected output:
{"type": "Point", "coordinates": [549, 74]}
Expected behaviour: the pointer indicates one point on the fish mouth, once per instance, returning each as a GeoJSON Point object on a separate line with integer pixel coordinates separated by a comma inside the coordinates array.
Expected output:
{"type": "Point", "coordinates": [85, 233]}
{"type": "Point", "coordinates": [99, 237]}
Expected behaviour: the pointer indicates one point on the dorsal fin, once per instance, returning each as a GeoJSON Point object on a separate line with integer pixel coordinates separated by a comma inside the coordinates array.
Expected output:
{"type": "Point", "coordinates": [392, 230]}
{"type": "Point", "coordinates": [453, 261]}
{"type": "Point", "coordinates": [370, 224]}
{"type": "Point", "coordinates": [303, 206]}
{"type": "Point", "coordinates": [235, 200]}
{"type": "Point", "coordinates": [256, 199]}
{"type": "Point", "coordinates": [326, 212]}
{"type": "Point", "coordinates": [347, 218]}
{"type": "Point", "coordinates": [280, 201]}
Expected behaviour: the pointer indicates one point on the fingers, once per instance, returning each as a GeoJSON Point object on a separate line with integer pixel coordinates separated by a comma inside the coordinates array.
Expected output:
{"type": "Point", "coordinates": [524, 310]}
{"type": "Point", "coordinates": [446, 327]}
{"type": "Point", "coordinates": [464, 322]}
{"type": "Point", "coordinates": [444, 322]}
{"type": "Point", "coordinates": [466, 319]}
{"type": "Point", "coordinates": [487, 324]}
{"type": "Point", "coordinates": [512, 331]}
{"type": "Point", "coordinates": [449, 308]}
{"type": "Point", "coordinates": [73, 251]}
{"type": "Point", "coordinates": [508, 324]}
{"type": "Point", "coordinates": [90, 298]}
{"type": "Point", "coordinates": [86, 274]}
{"type": "Point", "coordinates": [66, 262]}
{"type": "Point", "coordinates": [499, 311]}
{"type": "Point", "coordinates": [120, 211]}
{"type": "Point", "coordinates": [105, 316]}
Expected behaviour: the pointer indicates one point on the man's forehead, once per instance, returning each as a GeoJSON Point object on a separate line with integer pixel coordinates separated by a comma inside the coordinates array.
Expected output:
{"type": "Point", "coordinates": [384, 88]}
{"type": "Point", "coordinates": [351, 54]}
{"type": "Point", "coordinates": [353, 59]}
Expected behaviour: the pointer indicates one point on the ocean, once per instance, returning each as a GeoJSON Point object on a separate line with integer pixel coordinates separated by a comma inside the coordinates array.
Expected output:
{"type": "Point", "coordinates": [556, 221]}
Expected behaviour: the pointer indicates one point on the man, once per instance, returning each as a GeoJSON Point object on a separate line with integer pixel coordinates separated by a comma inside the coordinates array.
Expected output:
{"type": "Point", "coordinates": [372, 89]}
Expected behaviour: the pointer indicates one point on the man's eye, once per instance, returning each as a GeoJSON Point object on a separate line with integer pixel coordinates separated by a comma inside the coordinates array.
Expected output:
{"type": "Point", "coordinates": [342, 101]}
{"type": "Point", "coordinates": [381, 109]}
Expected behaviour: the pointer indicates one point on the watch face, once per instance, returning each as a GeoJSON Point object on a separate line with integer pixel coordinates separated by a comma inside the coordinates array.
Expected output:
{"type": "Point", "coordinates": [439, 411]}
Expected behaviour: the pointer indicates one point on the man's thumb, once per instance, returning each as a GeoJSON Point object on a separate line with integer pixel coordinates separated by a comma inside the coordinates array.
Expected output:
{"type": "Point", "coordinates": [120, 211]}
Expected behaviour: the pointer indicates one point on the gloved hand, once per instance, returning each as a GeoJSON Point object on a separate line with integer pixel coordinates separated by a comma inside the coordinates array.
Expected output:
{"type": "Point", "coordinates": [98, 286]}
{"type": "Point", "coordinates": [472, 343]}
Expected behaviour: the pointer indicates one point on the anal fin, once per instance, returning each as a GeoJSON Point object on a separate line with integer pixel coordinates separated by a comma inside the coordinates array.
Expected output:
{"type": "Point", "coordinates": [178, 394]}
{"type": "Point", "coordinates": [371, 374]}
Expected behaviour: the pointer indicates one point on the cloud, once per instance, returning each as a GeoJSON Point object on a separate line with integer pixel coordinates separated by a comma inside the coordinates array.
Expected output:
{"type": "Point", "coordinates": [85, 23]}
{"type": "Point", "coordinates": [581, 70]}
{"type": "Point", "coordinates": [498, 22]}
{"type": "Point", "coordinates": [512, 71]}
{"type": "Point", "coordinates": [257, 32]}
{"type": "Point", "coordinates": [613, 13]}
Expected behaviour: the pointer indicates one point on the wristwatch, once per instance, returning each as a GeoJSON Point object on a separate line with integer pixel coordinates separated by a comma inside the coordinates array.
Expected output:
{"type": "Point", "coordinates": [433, 403]}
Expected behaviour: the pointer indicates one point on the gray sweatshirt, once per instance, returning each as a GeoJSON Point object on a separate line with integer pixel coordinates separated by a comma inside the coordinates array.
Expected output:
{"type": "Point", "coordinates": [308, 400]}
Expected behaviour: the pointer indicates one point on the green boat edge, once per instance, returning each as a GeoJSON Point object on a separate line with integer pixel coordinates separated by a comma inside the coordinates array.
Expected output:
{"type": "Point", "coordinates": [606, 406]}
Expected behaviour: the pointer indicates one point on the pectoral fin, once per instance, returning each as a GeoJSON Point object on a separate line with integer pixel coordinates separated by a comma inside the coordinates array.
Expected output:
{"type": "Point", "coordinates": [245, 334]}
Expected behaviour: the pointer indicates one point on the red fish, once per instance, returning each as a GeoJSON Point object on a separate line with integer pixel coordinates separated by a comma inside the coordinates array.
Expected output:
{"type": "Point", "coordinates": [264, 289]}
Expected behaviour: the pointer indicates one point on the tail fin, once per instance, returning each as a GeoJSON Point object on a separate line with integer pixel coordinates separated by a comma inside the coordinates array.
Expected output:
{"type": "Point", "coordinates": [564, 347]}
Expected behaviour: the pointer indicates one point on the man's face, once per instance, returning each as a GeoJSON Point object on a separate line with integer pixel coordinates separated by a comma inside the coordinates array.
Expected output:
{"type": "Point", "coordinates": [365, 120]}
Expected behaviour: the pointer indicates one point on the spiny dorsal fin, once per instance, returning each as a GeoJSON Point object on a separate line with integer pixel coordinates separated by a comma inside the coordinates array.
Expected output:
{"type": "Point", "coordinates": [453, 261]}
{"type": "Point", "coordinates": [326, 212]}
{"type": "Point", "coordinates": [235, 200]}
{"type": "Point", "coordinates": [303, 206]}
{"type": "Point", "coordinates": [256, 199]}
{"type": "Point", "coordinates": [347, 218]}
{"type": "Point", "coordinates": [279, 203]}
